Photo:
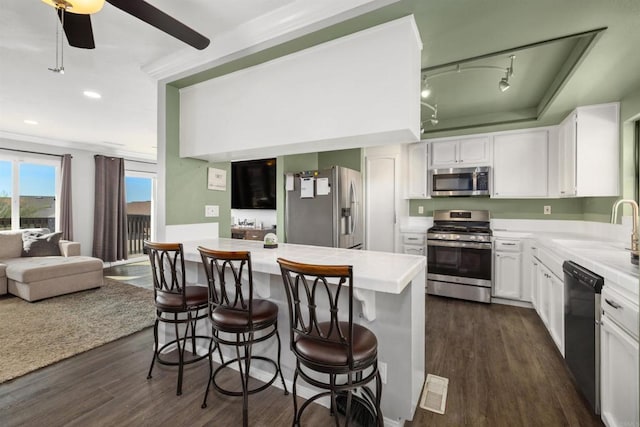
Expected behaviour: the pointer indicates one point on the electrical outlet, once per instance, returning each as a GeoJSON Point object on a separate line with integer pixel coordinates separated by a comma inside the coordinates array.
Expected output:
{"type": "Point", "coordinates": [420, 209]}
{"type": "Point", "coordinates": [547, 210]}
{"type": "Point", "coordinates": [382, 368]}
{"type": "Point", "coordinates": [211, 211]}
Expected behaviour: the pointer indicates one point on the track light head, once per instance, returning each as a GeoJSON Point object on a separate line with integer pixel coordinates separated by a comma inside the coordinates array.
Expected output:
{"type": "Point", "coordinates": [503, 85]}
{"type": "Point", "coordinates": [426, 89]}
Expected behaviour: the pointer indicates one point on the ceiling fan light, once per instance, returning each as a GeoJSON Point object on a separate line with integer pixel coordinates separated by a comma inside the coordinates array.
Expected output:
{"type": "Point", "coordinates": [426, 91]}
{"type": "Point", "coordinates": [81, 7]}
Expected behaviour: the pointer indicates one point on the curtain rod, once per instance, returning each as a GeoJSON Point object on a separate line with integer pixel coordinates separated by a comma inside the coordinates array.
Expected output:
{"type": "Point", "coordinates": [32, 152]}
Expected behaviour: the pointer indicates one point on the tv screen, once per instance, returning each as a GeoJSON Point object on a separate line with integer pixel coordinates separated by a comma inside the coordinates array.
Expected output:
{"type": "Point", "coordinates": [253, 184]}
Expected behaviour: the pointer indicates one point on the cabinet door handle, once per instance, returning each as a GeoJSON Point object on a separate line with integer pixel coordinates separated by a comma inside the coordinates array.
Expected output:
{"type": "Point", "coordinates": [508, 244]}
{"type": "Point", "coordinates": [613, 303]}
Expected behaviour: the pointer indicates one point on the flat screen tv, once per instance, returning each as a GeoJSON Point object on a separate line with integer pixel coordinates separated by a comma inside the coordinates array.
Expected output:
{"type": "Point", "coordinates": [253, 184]}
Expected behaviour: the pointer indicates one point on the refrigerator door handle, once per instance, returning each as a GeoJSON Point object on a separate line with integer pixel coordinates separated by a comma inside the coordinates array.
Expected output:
{"type": "Point", "coordinates": [354, 207]}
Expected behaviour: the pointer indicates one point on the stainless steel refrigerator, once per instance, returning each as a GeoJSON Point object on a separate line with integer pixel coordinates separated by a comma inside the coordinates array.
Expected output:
{"type": "Point", "coordinates": [325, 208]}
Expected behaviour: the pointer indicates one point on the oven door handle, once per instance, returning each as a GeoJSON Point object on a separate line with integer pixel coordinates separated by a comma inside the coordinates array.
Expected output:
{"type": "Point", "coordinates": [458, 244]}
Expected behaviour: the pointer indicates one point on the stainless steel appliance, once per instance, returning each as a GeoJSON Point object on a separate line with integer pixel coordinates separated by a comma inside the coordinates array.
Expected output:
{"type": "Point", "coordinates": [459, 255]}
{"type": "Point", "coordinates": [460, 181]}
{"type": "Point", "coordinates": [324, 208]}
{"type": "Point", "coordinates": [582, 290]}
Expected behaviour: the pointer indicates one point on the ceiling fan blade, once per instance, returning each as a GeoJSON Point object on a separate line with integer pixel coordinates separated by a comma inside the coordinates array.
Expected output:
{"type": "Point", "coordinates": [77, 29]}
{"type": "Point", "coordinates": [153, 16]}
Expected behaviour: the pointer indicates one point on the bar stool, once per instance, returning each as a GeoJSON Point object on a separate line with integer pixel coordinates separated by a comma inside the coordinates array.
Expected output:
{"type": "Point", "coordinates": [336, 347]}
{"type": "Point", "coordinates": [176, 303]}
{"type": "Point", "coordinates": [234, 312]}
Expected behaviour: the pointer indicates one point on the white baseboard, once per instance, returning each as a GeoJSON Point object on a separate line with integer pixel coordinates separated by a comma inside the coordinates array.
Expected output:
{"type": "Point", "coordinates": [514, 303]}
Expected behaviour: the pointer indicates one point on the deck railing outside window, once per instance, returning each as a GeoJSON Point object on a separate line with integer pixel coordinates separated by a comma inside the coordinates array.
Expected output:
{"type": "Point", "coordinates": [138, 226]}
{"type": "Point", "coordinates": [139, 229]}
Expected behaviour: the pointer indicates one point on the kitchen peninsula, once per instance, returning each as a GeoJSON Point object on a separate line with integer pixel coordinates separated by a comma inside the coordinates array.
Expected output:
{"type": "Point", "coordinates": [390, 289]}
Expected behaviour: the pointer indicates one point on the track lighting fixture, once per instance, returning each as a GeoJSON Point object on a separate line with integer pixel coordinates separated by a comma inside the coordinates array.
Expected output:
{"type": "Point", "coordinates": [503, 83]}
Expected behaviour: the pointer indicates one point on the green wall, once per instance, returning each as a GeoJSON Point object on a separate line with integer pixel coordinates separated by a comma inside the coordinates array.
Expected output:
{"type": "Point", "coordinates": [348, 158]}
{"type": "Point", "coordinates": [589, 209]}
{"type": "Point", "coordinates": [186, 179]}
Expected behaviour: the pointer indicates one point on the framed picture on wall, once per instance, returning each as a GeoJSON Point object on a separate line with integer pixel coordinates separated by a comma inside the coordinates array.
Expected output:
{"type": "Point", "coordinates": [217, 179]}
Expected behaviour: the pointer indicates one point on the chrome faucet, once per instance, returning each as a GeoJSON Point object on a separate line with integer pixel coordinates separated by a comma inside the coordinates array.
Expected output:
{"type": "Point", "coordinates": [634, 229]}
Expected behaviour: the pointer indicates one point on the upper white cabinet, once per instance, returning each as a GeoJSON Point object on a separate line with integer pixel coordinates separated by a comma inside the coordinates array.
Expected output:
{"type": "Point", "coordinates": [461, 152]}
{"type": "Point", "coordinates": [588, 152]}
{"type": "Point", "coordinates": [417, 177]}
{"type": "Point", "coordinates": [520, 164]}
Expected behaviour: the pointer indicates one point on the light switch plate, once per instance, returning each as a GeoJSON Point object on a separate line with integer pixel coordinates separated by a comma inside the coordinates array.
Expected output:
{"type": "Point", "coordinates": [420, 209]}
{"type": "Point", "coordinates": [211, 211]}
{"type": "Point", "coordinates": [547, 210]}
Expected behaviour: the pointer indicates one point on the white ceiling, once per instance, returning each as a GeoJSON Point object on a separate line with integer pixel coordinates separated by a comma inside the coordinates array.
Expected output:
{"type": "Point", "coordinates": [125, 118]}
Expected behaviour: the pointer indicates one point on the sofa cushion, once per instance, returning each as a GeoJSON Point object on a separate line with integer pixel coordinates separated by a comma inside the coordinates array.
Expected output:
{"type": "Point", "coordinates": [38, 244]}
{"type": "Point", "coordinates": [10, 244]}
{"type": "Point", "coordinates": [29, 270]}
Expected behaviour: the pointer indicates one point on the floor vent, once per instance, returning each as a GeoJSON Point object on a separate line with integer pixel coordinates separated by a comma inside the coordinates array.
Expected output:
{"type": "Point", "coordinates": [434, 394]}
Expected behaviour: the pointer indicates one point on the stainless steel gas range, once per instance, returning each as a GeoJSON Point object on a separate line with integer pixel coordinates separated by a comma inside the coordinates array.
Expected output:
{"type": "Point", "coordinates": [459, 255]}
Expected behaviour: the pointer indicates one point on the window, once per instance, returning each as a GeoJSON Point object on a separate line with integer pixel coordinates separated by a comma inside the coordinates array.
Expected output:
{"type": "Point", "coordinates": [28, 193]}
{"type": "Point", "coordinates": [139, 190]}
{"type": "Point", "coordinates": [6, 190]}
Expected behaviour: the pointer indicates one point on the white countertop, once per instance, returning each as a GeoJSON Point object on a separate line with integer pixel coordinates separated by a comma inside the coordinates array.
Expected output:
{"type": "Point", "coordinates": [608, 258]}
{"type": "Point", "coordinates": [375, 271]}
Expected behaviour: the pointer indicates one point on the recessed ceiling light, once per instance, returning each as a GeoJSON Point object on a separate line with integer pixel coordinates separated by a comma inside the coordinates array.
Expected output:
{"type": "Point", "coordinates": [91, 94]}
{"type": "Point", "coordinates": [30, 122]}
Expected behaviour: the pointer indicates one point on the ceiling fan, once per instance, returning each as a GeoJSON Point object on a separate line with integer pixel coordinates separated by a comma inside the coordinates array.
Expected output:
{"type": "Point", "coordinates": [75, 16]}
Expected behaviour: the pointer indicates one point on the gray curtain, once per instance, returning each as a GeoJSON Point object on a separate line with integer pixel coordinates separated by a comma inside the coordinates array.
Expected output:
{"type": "Point", "coordinates": [110, 210]}
{"type": "Point", "coordinates": [66, 210]}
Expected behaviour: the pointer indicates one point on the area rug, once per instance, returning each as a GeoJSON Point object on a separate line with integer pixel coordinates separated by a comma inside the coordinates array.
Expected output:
{"type": "Point", "coordinates": [33, 335]}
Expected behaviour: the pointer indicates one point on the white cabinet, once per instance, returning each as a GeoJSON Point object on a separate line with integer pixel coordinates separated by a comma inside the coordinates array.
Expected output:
{"type": "Point", "coordinates": [556, 311]}
{"type": "Point", "coordinates": [461, 152]}
{"type": "Point", "coordinates": [619, 376]}
{"type": "Point", "coordinates": [507, 275]}
{"type": "Point", "coordinates": [551, 304]}
{"type": "Point", "coordinates": [507, 260]}
{"type": "Point", "coordinates": [588, 152]}
{"type": "Point", "coordinates": [414, 244]}
{"type": "Point", "coordinates": [417, 187]}
{"type": "Point", "coordinates": [619, 373]}
{"type": "Point", "coordinates": [543, 294]}
{"type": "Point", "coordinates": [520, 164]}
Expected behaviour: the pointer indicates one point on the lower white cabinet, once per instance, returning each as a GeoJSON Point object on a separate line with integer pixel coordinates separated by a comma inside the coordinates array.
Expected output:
{"type": "Point", "coordinates": [550, 304]}
{"type": "Point", "coordinates": [556, 311]}
{"type": "Point", "coordinates": [507, 275]}
{"type": "Point", "coordinates": [619, 376]}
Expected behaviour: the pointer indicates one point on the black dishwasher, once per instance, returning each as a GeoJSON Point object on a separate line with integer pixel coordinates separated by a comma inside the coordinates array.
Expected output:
{"type": "Point", "coordinates": [582, 290]}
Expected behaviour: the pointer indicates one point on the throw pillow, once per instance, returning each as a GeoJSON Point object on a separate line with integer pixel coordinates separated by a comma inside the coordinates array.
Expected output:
{"type": "Point", "coordinates": [37, 244]}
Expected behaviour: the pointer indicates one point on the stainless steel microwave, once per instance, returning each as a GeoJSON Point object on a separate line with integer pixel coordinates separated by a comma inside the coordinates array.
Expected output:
{"type": "Point", "coordinates": [460, 181]}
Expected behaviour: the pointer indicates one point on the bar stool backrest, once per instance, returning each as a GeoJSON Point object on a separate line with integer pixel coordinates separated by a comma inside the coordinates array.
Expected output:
{"type": "Point", "coordinates": [222, 265]}
{"type": "Point", "coordinates": [306, 285]}
{"type": "Point", "coordinates": [167, 266]}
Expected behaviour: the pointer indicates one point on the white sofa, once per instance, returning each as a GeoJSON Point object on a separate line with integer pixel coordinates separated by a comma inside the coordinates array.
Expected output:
{"type": "Point", "coordinates": [34, 278]}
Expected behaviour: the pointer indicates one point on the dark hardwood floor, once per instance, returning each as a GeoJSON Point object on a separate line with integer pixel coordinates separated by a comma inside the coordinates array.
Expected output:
{"type": "Point", "coordinates": [502, 366]}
